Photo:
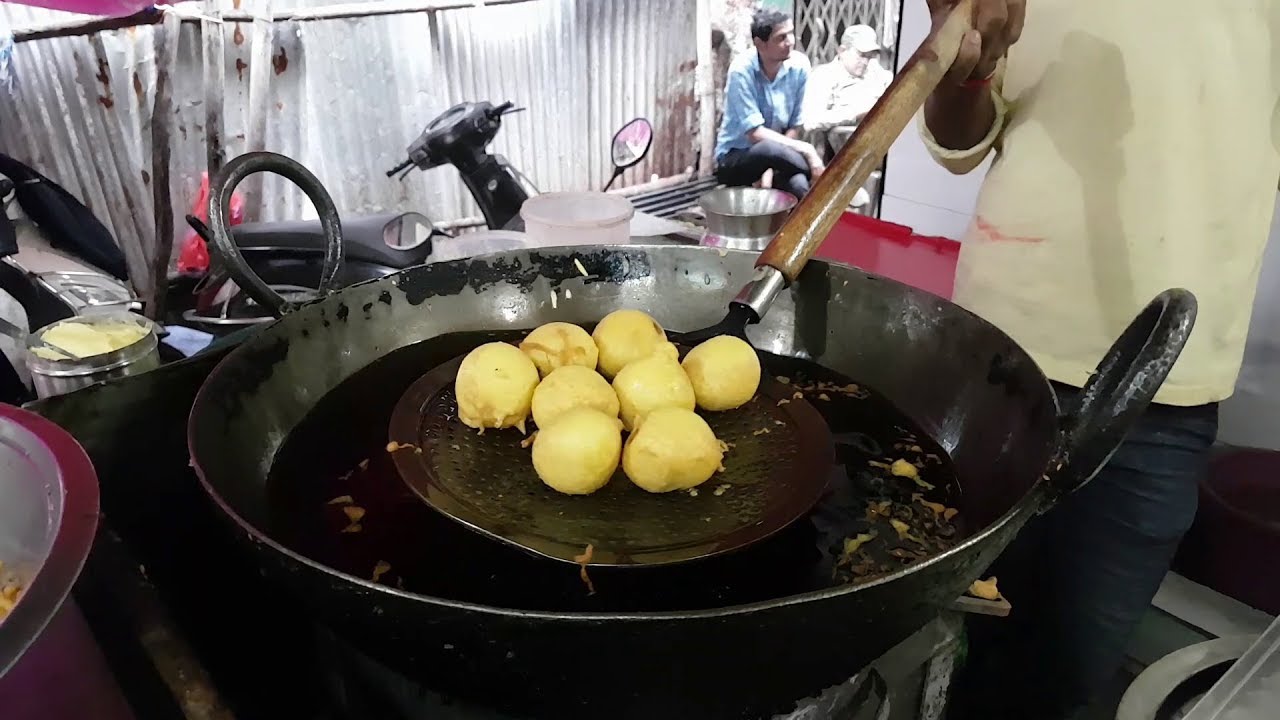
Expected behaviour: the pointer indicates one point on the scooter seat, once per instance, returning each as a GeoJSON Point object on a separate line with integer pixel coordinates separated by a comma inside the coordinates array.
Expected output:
{"type": "Point", "coordinates": [394, 240]}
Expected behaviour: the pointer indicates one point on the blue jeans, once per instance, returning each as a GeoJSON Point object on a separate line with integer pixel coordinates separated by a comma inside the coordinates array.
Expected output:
{"type": "Point", "coordinates": [739, 168]}
{"type": "Point", "coordinates": [1081, 577]}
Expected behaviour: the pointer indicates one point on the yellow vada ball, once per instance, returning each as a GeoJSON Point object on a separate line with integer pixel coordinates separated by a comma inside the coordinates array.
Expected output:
{"type": "Point", "coordinates": [673, 450]}
{"type": "Point", "coordinates": [579, 453]}
{"type": "Point", "coordinates": [668, 350]}
{"type": "Point", "coordinates": [724, 372]}
{"type": "Point", "coordinates": [559, 344]}
{"type": "Point", "coordinates": [624, 336]}
{"type": "Point", "coordinates": [495, 387]}
{"type": "Point", "coordinates": [655, 382]}
{"type": "Point", "coordinates": [569, 387]}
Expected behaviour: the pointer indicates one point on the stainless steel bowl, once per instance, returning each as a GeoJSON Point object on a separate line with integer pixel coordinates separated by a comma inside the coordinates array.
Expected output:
{"type": "Point", "coordinates": [745, 218]}
{"type": "Point", "coordinates": [57, 377]}
{"type": "Point", "coordinates": [48, 516]}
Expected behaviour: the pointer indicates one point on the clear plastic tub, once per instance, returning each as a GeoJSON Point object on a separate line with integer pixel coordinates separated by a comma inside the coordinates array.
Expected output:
{"type": "Point", "coordinates": [577, 218]}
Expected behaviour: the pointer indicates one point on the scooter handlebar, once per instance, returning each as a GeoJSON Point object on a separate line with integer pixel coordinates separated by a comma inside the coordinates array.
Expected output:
{"type": "Point", "coordinates": [401, 167]}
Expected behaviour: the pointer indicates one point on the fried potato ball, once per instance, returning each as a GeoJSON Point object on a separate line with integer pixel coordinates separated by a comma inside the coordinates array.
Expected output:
{"type": "Point", "coordinates": [624, 336]}
{"type": "Point", "coordinates": [569, 387]}
{"type": "Point", "coordinates": [560, 344]}
{"type": "Point", "coordinates": [495, 387]}
{"type": "Point", "coordinates": [655, 382]}
{"type": "Point", "coordinates": [724, 372]}
{"type": "Point", "coordinates": [579, 452]}
{"type": "Point", "coordinates": [674, 449]}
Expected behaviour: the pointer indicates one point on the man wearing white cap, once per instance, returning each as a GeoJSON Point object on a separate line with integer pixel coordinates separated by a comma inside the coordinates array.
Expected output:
{"type": "Point", "coordinates": [842, 91]}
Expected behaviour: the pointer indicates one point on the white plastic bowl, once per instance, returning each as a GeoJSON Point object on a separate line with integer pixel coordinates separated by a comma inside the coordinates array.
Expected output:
{"type": "Point", "coordinates": [577, 218]}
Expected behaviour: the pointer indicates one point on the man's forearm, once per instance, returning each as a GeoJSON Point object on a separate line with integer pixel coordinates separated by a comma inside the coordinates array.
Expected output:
{"type": "Point", "coordinates": [960, 117]}
{"type": "Point", "coordinates": [839, 115]}
{"type": "Point", "coordinates": [761, 134]}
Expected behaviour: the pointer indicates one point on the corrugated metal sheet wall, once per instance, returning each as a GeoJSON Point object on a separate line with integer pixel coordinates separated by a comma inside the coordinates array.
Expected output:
{"type": "Point", "coordinates": [346, 97]}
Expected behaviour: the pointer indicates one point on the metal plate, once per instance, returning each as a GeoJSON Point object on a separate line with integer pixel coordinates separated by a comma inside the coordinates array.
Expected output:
{"type": "Point", "coordinates": [776, 469]}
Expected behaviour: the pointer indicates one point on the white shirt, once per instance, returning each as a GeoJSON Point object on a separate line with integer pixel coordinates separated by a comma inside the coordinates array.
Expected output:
{"type": "Point", "coordinates": [834, 97]}
{"type": "Point", "coordinates": [1138, 149]}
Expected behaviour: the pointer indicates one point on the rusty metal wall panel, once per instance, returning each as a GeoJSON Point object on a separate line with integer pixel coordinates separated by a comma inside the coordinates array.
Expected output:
{"type": "Point", "coordinates": [79, 110]}
{"type": "Point", "coordinates": [346, 97]}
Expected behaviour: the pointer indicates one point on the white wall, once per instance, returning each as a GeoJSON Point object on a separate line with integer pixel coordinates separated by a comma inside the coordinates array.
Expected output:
{"type": "Point", "coordinates": [923, 196]}
{"type": "Point", "coordinates": [918, 193]}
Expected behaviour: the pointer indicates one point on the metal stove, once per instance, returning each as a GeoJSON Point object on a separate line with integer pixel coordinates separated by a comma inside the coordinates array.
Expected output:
{"type": "Point", "coordinates": [363, 688]}
{"type": "Point", "coordinates": [176, 655]}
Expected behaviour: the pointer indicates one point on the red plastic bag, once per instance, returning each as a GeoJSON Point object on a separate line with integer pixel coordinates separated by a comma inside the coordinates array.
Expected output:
{"type": "Point", "coordinates": [194, 256]}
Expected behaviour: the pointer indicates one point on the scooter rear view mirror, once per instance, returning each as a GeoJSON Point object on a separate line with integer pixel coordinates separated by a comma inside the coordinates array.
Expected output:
{"type": "Point", "coordinates": [630, 145]}
{"type": "Point", "coordinates": [409, 231]}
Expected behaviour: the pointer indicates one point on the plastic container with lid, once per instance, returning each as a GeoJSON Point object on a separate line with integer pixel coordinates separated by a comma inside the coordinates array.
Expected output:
{"type": "Point", "coordinates": [577, 218]}
{"type": "Point", "coordinates": [480, 242]}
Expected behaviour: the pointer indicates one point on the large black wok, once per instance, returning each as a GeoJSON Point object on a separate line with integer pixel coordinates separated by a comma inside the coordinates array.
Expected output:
{"type": "Point", "coordinates": [964, 382]}
{"type": "Point", "coordinates": [957, 378]}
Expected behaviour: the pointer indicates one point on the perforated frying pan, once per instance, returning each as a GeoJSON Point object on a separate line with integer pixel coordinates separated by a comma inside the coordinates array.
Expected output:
{"type": "Point", "coordinates": [775, 470]}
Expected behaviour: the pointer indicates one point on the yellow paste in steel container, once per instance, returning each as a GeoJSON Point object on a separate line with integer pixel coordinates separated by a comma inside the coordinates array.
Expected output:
{"type": "Point", "coordinates": [83, 339]}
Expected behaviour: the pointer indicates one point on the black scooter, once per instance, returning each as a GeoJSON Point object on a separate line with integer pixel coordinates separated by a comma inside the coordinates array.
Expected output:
{"type": "Point", "coordinates": [289, 256]}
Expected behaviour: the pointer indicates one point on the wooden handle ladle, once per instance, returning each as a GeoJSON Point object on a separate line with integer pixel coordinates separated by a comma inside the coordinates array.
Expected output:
{"type": "Point", "coordinates": [786, 255]}
{"type": "Point", "coordinates": [818, 212]}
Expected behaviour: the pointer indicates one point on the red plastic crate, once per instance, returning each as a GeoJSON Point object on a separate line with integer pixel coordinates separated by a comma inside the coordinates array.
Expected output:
{"type": "Point", "coordinates": [894, 251]}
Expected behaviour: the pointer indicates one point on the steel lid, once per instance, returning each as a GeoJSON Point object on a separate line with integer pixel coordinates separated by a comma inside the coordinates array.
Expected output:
{"type": "Point", "coordinates": [48, 517]}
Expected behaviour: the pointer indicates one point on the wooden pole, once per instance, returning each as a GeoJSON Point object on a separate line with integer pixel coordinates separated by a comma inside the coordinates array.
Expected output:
{"type": "Point", "coordinates": [215, 78]}
{"type": "Point", "coordinates": [706, 89]}
{"type": "Point", "coordinates": [260, 74]}
{"type": "Point", "coordinates": [73, 28]}
{"type": "Point", "coordinates": [162, 122]}
{"type": "Point", "coordinates": [302, 14]}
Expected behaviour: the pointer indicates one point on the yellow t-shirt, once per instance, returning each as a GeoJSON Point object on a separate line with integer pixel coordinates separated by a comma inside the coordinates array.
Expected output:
{"type": "Point", "coordinates": [1138, 149]}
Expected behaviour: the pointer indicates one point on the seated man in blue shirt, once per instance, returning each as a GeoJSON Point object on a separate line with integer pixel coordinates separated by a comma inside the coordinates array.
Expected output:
{"type": "Point", "coordinates": [761, 125]}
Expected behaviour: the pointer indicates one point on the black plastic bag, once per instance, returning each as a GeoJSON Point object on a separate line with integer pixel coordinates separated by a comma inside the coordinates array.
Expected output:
{"type": "Point", "coordinates": [64, 220]}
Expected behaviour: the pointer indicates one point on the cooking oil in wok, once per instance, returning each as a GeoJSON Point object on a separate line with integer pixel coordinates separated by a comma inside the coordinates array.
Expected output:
{"type": "Point", "coordinates": [337, 498]}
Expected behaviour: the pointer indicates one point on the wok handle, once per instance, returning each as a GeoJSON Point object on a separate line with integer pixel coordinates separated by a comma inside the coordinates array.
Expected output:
{"type": "Point", "coordinates": [220, 190]}
{"type": "Point", "coordinates": [1120, 390]}
{"type": "Point", "coordinates": [818, 212]}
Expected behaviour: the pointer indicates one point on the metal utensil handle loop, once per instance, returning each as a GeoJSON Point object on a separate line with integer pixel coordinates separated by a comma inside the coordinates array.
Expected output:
{"type": "Point", "coordinates": [220, 190]}
{"type": "Point", "coordinates": [1121, 389]}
